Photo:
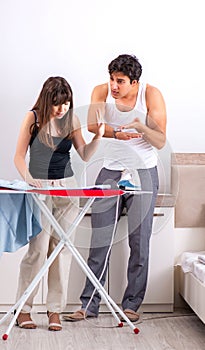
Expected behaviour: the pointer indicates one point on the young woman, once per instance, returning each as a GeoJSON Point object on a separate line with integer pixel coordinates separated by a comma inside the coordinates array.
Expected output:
{"type": "Point", "coordinates": [49, 130]}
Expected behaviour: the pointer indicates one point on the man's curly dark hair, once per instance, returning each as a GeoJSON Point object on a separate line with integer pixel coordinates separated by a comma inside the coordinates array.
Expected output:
{"type": "Point", "coordinates": [129, 65]}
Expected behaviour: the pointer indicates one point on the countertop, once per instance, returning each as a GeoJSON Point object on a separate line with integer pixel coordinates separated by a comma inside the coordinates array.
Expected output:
{"type": "Point", "coordinates": [163, 200]}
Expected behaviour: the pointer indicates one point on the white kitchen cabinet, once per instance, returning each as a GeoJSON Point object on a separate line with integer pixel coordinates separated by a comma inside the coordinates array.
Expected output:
{"type": "Point", "coordinates": [159, 295]}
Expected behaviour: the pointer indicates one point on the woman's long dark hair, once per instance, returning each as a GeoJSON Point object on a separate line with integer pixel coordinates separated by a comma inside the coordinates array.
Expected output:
{"type": "Point", "coordinates": [55, 91]}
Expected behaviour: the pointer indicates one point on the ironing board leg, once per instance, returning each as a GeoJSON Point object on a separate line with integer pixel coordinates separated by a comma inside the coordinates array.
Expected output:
{"type": "Point", "coordinates": [65, 236]}
{"type": "Point", "coordinates": [64, 240]}
{"type": "Point", "coordinates": [105, 296]}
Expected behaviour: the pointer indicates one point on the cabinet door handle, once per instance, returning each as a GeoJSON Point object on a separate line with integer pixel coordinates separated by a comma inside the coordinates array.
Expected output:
{"type": "Point", "coordinates": [124, 214]}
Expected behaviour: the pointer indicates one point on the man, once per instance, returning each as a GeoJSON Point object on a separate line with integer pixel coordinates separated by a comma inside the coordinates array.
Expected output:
{"type": "Point", "coordinates": [135, 117]}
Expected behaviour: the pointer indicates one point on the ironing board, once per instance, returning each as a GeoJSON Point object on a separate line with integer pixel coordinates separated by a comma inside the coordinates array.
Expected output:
{"type": "Point", "coordinates": [91, 194]}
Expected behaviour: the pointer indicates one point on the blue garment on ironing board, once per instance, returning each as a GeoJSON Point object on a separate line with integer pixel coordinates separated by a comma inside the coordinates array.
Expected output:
{"type": "Point", "coordinates": [20, 220]}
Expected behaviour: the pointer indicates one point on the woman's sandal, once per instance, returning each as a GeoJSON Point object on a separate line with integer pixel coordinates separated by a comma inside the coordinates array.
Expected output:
{"type": "Point", "coordinates": [24, 321]}
{"type": "Point", "coordinates": [54, 321]}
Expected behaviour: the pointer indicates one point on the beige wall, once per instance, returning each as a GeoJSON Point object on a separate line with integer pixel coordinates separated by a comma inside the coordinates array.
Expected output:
{"type": "Point", "coordinates": [188, 185]}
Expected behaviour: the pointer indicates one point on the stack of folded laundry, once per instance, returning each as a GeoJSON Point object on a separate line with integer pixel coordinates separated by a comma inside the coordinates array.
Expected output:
{"type": "Point", "coordinates": [201, 259]}
{"type": "Point", "coordinates": [194, 262]}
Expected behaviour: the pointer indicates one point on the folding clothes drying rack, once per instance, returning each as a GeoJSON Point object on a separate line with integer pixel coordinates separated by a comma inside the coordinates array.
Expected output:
{"type": "Point", "coordinates": [91, 194]}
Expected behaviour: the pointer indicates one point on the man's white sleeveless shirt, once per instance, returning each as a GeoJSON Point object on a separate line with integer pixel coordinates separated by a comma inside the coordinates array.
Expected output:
{"type": "Point", "coordinates": [131, 154]}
